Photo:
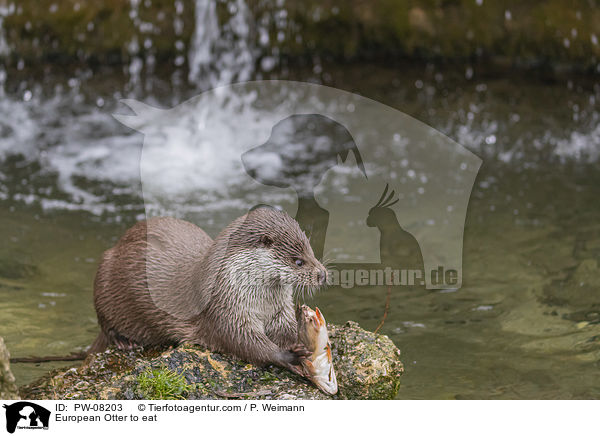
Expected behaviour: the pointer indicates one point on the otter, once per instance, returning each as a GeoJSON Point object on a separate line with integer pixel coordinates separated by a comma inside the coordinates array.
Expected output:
{"type": "Point", "coordinates": [166, 282]}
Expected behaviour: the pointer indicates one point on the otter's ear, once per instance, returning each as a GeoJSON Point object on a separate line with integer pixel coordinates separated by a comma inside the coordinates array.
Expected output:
{"type": "Point", "coordinates": [266, 241]}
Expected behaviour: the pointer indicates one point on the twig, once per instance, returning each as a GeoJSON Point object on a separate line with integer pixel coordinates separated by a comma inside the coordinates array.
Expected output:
{"type": "Point", "coordinates": [387, 306]}
{"type": "Point", "coordinates": [242, 394]}
{"type": "Point", "coordinates": [70, 358]}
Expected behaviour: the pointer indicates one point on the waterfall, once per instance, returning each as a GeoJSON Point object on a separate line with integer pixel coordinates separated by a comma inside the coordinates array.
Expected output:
{"type": "Point", "coordinates": [221, 53]}
{"type": "Point", "coordinates": [4, 48]}
{"type": "Point", "coordinates": [224, 47]}
{"type": "Point", "coordinates": [4, 12]}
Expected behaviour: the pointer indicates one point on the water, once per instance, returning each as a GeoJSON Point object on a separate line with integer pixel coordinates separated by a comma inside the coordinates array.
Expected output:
{"type": "Point", "coordinates": [221, 53]}
{"type": "Point", "coordinates": [526, 322]}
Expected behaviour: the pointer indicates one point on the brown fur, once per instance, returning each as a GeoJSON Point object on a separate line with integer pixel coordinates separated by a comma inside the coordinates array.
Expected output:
{"type": "Point", "coordinates": [167, 282]}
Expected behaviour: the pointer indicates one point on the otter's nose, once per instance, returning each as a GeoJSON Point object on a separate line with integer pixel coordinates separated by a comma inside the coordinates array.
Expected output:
{"type": "Point", "coordinates": [322, 276]}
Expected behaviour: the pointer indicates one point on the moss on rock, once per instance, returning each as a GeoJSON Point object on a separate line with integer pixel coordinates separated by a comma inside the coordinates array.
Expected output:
{"type": "Point", "coordinates": [367, 366]}
{"type": "Point", "coordinates": [105, 31]}
{"type": "Point", "coordinates": [162, 384]}
{"type": "Point", "coordinates": [8, 387]}
{"type": "Point", "coordinates": [113, 31]}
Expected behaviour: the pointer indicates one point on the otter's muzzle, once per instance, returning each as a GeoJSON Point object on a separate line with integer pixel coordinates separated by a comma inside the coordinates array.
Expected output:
{"type": "Point", "coordinates": [322, 277]}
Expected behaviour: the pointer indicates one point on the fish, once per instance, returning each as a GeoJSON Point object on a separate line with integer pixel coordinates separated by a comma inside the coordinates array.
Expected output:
{"type": "Point", "coordinates": [312, 333]}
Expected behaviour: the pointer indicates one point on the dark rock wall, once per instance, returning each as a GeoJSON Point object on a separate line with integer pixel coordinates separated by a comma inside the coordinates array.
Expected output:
{"type": "Point", "coordinates": [530, 32]}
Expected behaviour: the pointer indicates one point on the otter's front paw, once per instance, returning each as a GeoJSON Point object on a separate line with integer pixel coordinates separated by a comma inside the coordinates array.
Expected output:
{"type": "Point", "coordinates": [300, 353]}
{"type": "Point", "coordinates": [293, 356]}
{"type": "Point", "coordinates": [294, 360]}
{"type": "Point", "coordinates": [299, 369]}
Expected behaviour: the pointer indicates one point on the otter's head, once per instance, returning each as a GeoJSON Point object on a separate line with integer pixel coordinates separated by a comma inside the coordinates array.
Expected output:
{"type": "Point", "coordinates": [267, 247]}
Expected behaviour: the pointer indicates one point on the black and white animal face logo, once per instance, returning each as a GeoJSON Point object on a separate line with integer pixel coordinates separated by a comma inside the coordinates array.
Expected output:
{"type": "Point", "coordinates": [26, 415]}
{"type": "Point", "coordinates": [321, 154]}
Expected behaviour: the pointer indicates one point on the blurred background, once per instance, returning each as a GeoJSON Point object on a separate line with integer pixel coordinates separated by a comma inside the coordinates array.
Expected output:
{"type": "Point", "coordinates": [516, 82]}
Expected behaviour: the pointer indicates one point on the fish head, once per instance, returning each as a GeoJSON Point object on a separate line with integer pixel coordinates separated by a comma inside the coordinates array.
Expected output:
{"type": "Point", "coordinates": [312, 328]}
{"type": "Point", "coordinates": [312, 332]}
{"type": "Point", "coordinates": [308, 327]}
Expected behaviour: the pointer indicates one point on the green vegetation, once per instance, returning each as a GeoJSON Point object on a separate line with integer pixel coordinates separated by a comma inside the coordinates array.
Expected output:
{"type": "Point", "coordinates": [202, 374]}
{"type": "Point", "coordinates": [162, 384]}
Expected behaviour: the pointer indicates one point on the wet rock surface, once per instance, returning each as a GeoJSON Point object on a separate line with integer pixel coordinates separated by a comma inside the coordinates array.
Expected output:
{"type": "Point", "coordinates": [367, 366]}
{"type": "Point", "coordinates": [8, 387]}
{"type": "Point", "coordinates": [577, 293]}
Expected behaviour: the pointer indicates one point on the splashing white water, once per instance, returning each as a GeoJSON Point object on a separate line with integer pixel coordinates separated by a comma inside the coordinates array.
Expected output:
{"type": "Point", "coordinates": [4, 48]}
{"type": "Point", "coordinates": [580, 145]}
{"type": "Point", "coordinates": [4, 12]}
{"type": "Point", "coordinates": [221, 53]}
{"type": "Point", "coordinates": [84, 144]}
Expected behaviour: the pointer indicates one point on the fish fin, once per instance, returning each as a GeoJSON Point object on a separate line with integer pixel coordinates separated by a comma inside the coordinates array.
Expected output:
{"type": "Point", "coordinates": [309, 366]}
{"type": "Point", "coordinates": [320, 316]}
{"type": "Point", "coordinates": [314, 318]}
{"type": "Point", "coordinates": [329, 356]}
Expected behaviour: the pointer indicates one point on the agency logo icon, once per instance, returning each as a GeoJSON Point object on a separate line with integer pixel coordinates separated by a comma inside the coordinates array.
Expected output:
{"type": "Point", "coordinates": [25, 415]}
{"type": "Point", "coordinates": [382, 196]}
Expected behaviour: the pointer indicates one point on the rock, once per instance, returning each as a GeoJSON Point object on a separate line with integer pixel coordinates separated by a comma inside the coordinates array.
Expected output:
{"type": "Point", "coordinates": [367, 366]}
{"type": "Point", "coordinates": [14, 269]}
{"type": "Point", "coordinates": [586, 273]}
{"type": "Point", "coordinates": [418, 19]}
{"type": "Point", "coordinates": [577, 295]}
{"type": "Point", "coordinates": [8, 387]}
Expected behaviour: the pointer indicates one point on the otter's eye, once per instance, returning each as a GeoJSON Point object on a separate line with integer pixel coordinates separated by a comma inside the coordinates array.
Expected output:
{"type": "Point", "coordinates": [299, 262]}
{"type": "Point", "coordinates": [266, 241]}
